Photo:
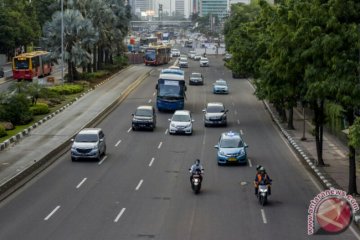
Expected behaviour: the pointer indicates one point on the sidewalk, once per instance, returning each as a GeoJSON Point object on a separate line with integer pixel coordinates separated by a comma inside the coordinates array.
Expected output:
{"type": "Point", "coordinates": [335, 153]}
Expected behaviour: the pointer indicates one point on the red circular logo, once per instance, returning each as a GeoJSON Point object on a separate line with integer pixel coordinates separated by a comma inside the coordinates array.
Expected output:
{"type": "Point", "coordinates": [334, 214]}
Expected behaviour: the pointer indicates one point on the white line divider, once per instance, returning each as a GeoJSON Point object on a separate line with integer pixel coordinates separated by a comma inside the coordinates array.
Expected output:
{"type": "Point", "coordinates": [263, 216]}
{"type": "Point", "coordinates": [166, 131]}
{"type": "Point", "coordinates": [102, 160]}
{"type": "Point", "coordinates": [81, 183]}
{"type": "Point", "coordinates": [129, 130]}
{"type": "Point", "coordinates": [118, 142]}
{"type": "Point", "coordinates": [119, 215]}
{"type": "Point", "coordinates": [52, 213]}
{"type": "Point", "coordinates": [250, 164]}
{"type": "Point", "coordinates": [159, 145]}
{"type": "Point", "coordinates": [151, 162]}
{"type": "Point", "coordinates": [139, 185]}
{"type": "Point", "coordinates": [149, 101]}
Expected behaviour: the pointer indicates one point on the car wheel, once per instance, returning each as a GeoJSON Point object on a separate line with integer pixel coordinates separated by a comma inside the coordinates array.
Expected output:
{"type": "Point", "coordinates": [104, 153]}
{"type": "Point", "coordinates": [99, 157]}
{"type": "Point", "coordinates": [133, 128]}
{"type": "Point", "coordinates": [73, 159]}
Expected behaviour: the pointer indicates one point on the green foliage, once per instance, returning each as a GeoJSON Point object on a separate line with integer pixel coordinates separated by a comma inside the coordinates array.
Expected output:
{"type": "Point", "coordinates": [94, 75]}
{"type": "Point", "coordinates": [3, 132]}
{"type": "Point", "coordinates": [335, 114]}
{"type": "Point", "coordinates": [354, 134]}
{"type": "Point", "coordinates": [16, 109]}
{"type": "Point", "coordinates": [40, 109]}
{"type": "Point", "coordinates": [67, 89]}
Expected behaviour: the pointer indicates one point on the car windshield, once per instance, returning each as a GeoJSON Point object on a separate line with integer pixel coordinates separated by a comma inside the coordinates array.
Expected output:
{"type": "Point", "coordinates": [183, 59]}
{"type": "Point", "coordinates": [86, 138]}
{"type": "Point", "coordinates": [215, 109]}
{"type": "Point", "coordinates": [197, 75]}
{"type": "Point", "coordinates": [221, 83]}
{"type": "Point", "coordinates": [231, 143]}
{"type": "Point", "coordinates": [181, 118]}
{"type": "Point", "coordinates": [143, 112]}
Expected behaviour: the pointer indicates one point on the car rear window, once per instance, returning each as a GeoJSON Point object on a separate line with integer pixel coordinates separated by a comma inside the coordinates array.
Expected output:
{"type": "Point", "coordinates": [231, 143]}
{"type": "Point", "coordinates": [215, 109]}
{"type": "Point", "coordinates": [86, 138]}
{"type": "Point", "coordinates": [143, 112]}
{"type": "Point", "coordinates": [181, 118]}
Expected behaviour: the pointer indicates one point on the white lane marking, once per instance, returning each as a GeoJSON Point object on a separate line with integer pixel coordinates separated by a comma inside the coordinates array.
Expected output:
{"type": "Point", "coordinates": [340, 153]}
{"type": "Point", "coordinates": [263, 216]}
{"type": "Point", "coordinates": [251, 86]}
{"type": "Point", "coordinates": [118, 142]}
{"type": "Point", "coordinates": [238, 122]}
{"type": "Point", "coordinates": [119, 215]}
{"type": "Point", "coordinates": [235, 112]}
{"type": "Point", "coordinates": [151, 162]}
{"type": "Point", "coordinates": [354, 232]}
{"type": "Point", "coordinates": [102, 160]}
{"type": "Point", "coordinates": [52, 213]}
{"type": "Point", "coordinates": [166, 131]}
{"type": "Point", "coordinates": [129, 130]}
{"type": "Point", "coordinates": [241, 132]}
{"type": "Point", "coordinates": [139, 185]}
{"type": "Point", "coordinates": [159, 145]}
{"type": "Point", "coordinates": [81, 183]}
{"type": "Point", "coordinates": [331, 145]}
{"type": "Point", "coordinates": [154, 93]}
{"type": "Point", "coordinates": [149, 101]}
{"type": "Point", "coordinates": [250, 164]}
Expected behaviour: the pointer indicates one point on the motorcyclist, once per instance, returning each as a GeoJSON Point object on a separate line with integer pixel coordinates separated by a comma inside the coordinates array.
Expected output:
{"type": "Point", "coordinates": [196, 168]}
{"type": "Point", "coordinates": [261, 175]}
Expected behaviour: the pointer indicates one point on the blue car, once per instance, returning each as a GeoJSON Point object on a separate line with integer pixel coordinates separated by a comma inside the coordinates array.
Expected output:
{"type": "Point", "coordinates": [220, 86]}
{"type": "Point", "coordinates": [231, 149]}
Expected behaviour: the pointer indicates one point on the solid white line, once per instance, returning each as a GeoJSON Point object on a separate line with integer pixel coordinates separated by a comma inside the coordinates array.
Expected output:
{"type": "Point", "coordinates": [151, 162]}
{"type": "Point", "coordinates": [52, 213]}
{"type": "Point", "coordinates": [241, 132]}
{"type": "Point", "coordinates": [263, 216]}
{"type": "Point", "coordinates": [159, 145]}
{"type": "Point", "coordinates": [154, 93]}
{"type": "Point", "coordinates": [139, 185]}
{"type": "Point", "coordinates": [250, 164]}
{"type": "Point", "coordinates": [117, 144]}
{"type": "Point", "coordinates": [149, 101]}
{"type": "Point", "coordinates": [119, 215]}
{"type": "Point", "coordinates": [340, 153]}
{"type": "Point", "coordinates": [166, 131]}
{"type": "Point", "coordinates": [102, 160]}
{"type": "Point", "coordinates": [81, 183]}
{"type": "Point", "coordinates": [354, 232]}
{"type": "Point", "coordinates": [129, 130]}
{"type": "Point", "coordinates": [238, 122]}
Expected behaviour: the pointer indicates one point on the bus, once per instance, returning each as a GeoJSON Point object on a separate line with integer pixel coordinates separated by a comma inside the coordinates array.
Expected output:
{"type": "Point", "coordinates": [170, 90]}
{"type": "Point", "coordinates": [157, 55]}
{"type": "Point", "coordinates": [28, 66]}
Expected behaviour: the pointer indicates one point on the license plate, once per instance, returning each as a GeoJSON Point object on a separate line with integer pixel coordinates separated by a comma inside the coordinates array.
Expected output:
{"type": "Point", "coordinates": [232, 159]}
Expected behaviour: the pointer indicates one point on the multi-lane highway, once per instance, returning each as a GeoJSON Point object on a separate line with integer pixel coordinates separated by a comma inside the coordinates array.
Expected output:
{"type": "Point", "coordinates": [141, 188]}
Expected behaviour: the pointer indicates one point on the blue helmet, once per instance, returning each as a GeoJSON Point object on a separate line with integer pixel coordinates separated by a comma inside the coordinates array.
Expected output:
{"type": "Point", "coordinates": [197, 162]}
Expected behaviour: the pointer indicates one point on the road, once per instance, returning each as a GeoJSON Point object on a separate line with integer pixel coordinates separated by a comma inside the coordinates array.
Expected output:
{"type": "Point", "coordinates": [141, 189]}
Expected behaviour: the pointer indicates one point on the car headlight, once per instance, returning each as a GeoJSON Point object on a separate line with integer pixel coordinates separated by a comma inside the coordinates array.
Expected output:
{"type": "Point", "coordinates": [241, 152]}
{"type": "Point", "coordinates": [173, 125]}
{"type": "Point", "coordinates": [221, 153]}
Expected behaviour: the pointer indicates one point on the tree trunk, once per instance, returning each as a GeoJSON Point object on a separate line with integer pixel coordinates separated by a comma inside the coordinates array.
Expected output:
{"type": "Point", "coordinates": [95, 59]}
{"type": "Point", "coordinates": [291, 118]}
{"type": "Point", "coordinates": [319, 122]}
{"type": "Point", "coordinates": [352, 161]}
{"type": "Point", "coordinates": [70, 72]}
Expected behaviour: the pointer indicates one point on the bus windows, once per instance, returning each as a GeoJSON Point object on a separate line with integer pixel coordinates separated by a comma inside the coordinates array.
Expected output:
{"type": "Point", "coordinates": [22, 63]}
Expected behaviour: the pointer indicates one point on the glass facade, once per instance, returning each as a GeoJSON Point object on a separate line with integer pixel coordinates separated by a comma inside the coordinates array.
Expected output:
{"type": "Point", "coordinates": [215, 7]}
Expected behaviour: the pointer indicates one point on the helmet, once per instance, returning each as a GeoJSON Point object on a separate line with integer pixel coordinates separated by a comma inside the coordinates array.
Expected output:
{"type": "Point", "coordinates": [258, 167]}
{"type": "Point", "coordinates": [262, 170]}
{"type": "Point", "coordinates": [197, 162]}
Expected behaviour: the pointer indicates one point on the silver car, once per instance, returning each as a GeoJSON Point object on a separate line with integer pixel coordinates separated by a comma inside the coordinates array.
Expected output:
{"type": "Point", "coordinates": [183, 62]}
{"type": "Point", "coordinates": [204, 62]}
{"type": "Point", "coordinates": [215, 114]}
{"type": "Point", "coordinates": [196, 79]}
{"type": "Point", "coordinates": [89, 143]}
{"type": "Point", "coordinates": [220, 86]}
{"type": "Point", "coordinates": [181, 122]}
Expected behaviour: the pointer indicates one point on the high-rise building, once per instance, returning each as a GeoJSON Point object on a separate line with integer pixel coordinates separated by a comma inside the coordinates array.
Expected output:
{"type": "Point", "coordinates": [214, 7]}
{"type": "Point", "coordinates": [140, 7]}
{"type": "Point", "coordinates": [180, 7]}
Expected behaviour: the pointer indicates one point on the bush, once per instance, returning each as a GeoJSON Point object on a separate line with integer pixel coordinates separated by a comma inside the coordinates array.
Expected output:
{"type": "Point", "coordinates": [40, 109]}
{"type": "Point", "coordinates": [94, 75]}
{"type": "Point", "coordinates": [3, 132]}
{"type": "Point", "coordinates": [16, 109]}
{"type": "Point", "coordinates": [67, 89]}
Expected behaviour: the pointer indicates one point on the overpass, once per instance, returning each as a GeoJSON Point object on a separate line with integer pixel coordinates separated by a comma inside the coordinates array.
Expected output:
{"type": "Point", "coordinates": [159, 23]}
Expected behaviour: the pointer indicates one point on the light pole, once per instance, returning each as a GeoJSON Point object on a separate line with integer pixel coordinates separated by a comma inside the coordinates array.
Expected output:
{"type": "Point", "coordinates": [62, 40]}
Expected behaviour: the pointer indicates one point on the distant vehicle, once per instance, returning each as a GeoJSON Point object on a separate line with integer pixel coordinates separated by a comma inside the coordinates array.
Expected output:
{"type": "Point", "coordinates": [204, 62]}
{"type": "Point", "coordinates": [147, 41]}
{"type": "Point", "coordinates": [89, 143]}
{"type": "Point", "coordinates": [28, 66]}
{"type": "Point", "coordinates": [196, 79]}
{"type": "Point", "coordinates": [197, 57]}
{"type": "Point", "coordinates": [171, 88]}
{"type": "Point", "coordinates": [215, 114]}
{"type": "Point", "coordinates": [188, 44]}
{"type": "Point", "coordinates": [220, 86]}
{"type": "Point", "coordinates": [175, 52]}
{"type": "Point", "coordinates": [144, 118]}
{"type": "Point", "coordinates": [191, 54]}
{"type": "Point", "coordinates": [157, 55]}
{"type": "Point", "coordinates": [181, 122]}
{"type": "Point", "coordinates": [227, 57]}
{"type": "Point", "coordinates": [231, 148]}
{"type": "Point", "coordinates": [183, 62]}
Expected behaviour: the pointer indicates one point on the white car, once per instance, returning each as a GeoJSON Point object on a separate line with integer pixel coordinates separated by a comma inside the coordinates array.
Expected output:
{"type": "Point", "coordinates": [175, 52]}
{"type": "Point", "coordinates": [183, 62]}
{"type": "Point", "coordinates": [181, 122]}
{"type": "Point", "coordinates": [191, 54]}
{"type": "Point", "coordinates": [204, 62]}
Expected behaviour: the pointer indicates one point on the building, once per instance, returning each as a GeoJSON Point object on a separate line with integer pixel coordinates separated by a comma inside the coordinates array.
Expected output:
{"type": "Point", "coordinates": [142, 7]}
{"type": "Point", "coordinates": [214, 7]}
{"type": "Point", "coordinates": [180, 8]}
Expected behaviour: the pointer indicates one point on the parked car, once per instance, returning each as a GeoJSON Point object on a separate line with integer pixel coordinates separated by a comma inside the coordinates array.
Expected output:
{"type": "Point", "coordinates": [220, 86]}
{"type": "Point", "coordinates": [204, 62]}
{"type": "Point", "coordinates": [183, 62]}
{"type": "Point", "coordinates": [196, 79]}
{"type": "Point", "coordinates": [215, 114]}
{"type": "Point", "coordinates": [181, 122]}
{"type": "Point", "coordinates": [144, 118]}
{"type": "Point", "coordinates": [89, 143]}
{"type": "Point", "coordinates": [231, 148]}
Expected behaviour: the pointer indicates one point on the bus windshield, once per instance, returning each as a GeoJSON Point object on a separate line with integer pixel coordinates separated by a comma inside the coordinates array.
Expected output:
{"type": "Point", "coordinates": [22, 63]}
{"type": "Point", "coordinates": [170, 90]}
{"type": "Point", "coordinates": [150, 54]}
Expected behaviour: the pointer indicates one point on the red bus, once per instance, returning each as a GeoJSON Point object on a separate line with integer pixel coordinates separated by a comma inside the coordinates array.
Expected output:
{"type": "Point", "coordinates": [157, 55]}
{"type": "Point", "coordinates": [30, 65]}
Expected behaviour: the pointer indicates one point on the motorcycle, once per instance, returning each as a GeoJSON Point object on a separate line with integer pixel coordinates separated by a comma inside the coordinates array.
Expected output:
{"type": "Point", "coordinates": [263, 193]}
{"type": "Point", "coordinates": [196, 182]}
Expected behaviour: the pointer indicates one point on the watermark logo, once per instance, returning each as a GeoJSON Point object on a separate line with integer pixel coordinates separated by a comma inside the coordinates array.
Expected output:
{"type": "Point", "coordinates": [331, 212]}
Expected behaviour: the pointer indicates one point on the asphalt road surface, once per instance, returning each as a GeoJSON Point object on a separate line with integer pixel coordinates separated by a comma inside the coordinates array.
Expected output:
{"type": "Point", "coordinates": [141, 189]}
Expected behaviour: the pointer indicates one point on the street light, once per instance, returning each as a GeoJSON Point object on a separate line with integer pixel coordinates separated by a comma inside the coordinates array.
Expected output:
{"type": "Point", "coordinates": [62, 40]}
